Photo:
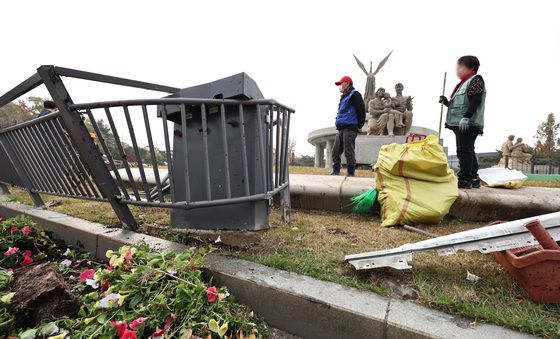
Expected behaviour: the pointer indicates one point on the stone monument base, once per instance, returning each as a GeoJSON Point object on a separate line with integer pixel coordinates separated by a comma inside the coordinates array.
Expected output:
{"type": "Point", "coordinates": [367, 146]}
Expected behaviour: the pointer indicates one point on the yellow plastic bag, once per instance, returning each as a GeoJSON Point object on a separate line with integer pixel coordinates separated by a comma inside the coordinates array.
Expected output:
{"type": "Point", "coordinates": [416, 186]}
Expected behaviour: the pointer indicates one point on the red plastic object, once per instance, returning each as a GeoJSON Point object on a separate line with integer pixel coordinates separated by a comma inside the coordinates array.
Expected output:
{"type": "Point", "coordinates": [413, 137]}
{"type": "Point", "coordinates": [536, 268]}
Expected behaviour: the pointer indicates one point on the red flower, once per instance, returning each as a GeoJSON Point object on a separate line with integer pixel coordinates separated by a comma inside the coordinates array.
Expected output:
{"type": "Point", "coordinates": [26, 261]}
{"type": "Point", "coordinates": [134, 324]}
{"type": "Point", "coordinates": [121, 327]}
{"type": "Point", "coordinates": [105, 286]}
{"type": "Point", "coordinates": [167, 322]}
{"type": "Point", "coordinates": [158, 333]}
{"type": "Point", "coordinates": [211, 293]}
{"type": "Point", "coordinates": [26, 230]}
{"type": "Point", "coordinates": [128, 256]}
{"type": "Point", "coordinates": [27, 253]}
{"type": "Point", "coordinates": [128, 334]}
{"type": "Point", "coordinates": [87, 274]}
{"type": "Point", "coordinates": [13, 229]}
{"type": "Point", "coordinates": [11, 251]}
{"type": "Point", "coordinates": [192, 267]}
{"type": "Point", "coordinates": [110, 267]}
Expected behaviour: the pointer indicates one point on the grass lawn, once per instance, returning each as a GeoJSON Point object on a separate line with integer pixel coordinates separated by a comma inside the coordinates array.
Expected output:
{"type": "Point", "coordinates": [316, 242]}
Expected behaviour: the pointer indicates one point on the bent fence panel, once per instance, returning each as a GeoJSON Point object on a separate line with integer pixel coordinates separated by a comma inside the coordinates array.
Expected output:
{"type": "Point", "coordinates": [226, 151]}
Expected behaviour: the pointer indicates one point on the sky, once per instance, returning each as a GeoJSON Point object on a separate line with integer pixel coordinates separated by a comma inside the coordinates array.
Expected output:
{"type": "Point", "coordinates": [295, 50]}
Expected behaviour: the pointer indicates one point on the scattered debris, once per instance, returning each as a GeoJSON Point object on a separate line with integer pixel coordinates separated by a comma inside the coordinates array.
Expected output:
{"type": "Point", "coordinates": [472, 277]}
{"type": "Point", "coordinates": [486, 239]}
{"type": "Point", "coordinates": [337, 231]}
{"type": "Point", "coordinates": [404, 291]}
{"type": "Point", "coordinates": [52, 203]}
{"type": "Point", "coordinates": [66, 262]}
{"type": "Point", "coordinates": [536, 268]}
{"type": "Point", "coordinates": [41, 296]}
{"type": "Point", "coordinates": [502, 177]}
{"type": "Point", "coordinates": [419, 231]}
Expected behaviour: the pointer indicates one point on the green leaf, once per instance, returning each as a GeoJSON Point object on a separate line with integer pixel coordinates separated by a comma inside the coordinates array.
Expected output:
{"type": "Point", "coordinates": [49, 329]}
{"type": "Point", "coordinates": [28, 334]}
{"type": "Point", "coordinates": [135, 300]}
{"type": "Point", "coordinates": [102, 318]}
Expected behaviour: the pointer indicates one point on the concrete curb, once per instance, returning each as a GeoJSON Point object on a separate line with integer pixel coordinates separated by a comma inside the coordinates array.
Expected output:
{"type": "Point", "coordinates": [333, 193]}
{"type": "Point", "coordinates": [294, 303]}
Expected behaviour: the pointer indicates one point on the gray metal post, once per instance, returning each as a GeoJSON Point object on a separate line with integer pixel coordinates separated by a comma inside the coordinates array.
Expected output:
{"type": "Point", "coordinates": [85, 146]}
{"type": "Point", "coordinates": [4, 188]}
{"type": "Point", "coordinates": [37, 201]}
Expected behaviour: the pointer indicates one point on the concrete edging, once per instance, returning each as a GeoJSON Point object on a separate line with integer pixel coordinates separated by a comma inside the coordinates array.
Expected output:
{"type": "Point", "coordinates": [333, 193]}
{"type": "Point", "coordinates": [294, 303]}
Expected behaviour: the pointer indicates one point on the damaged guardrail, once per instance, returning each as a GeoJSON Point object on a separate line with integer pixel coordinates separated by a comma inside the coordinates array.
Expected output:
{"type": "Point", "coordinates": [486, 239]}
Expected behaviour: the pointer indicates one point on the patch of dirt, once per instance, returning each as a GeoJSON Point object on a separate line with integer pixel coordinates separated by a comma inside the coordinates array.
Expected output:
{"type": "Point", "coordinates": [41, 296]}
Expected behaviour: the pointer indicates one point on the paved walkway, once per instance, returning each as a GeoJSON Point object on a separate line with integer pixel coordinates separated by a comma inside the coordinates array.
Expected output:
{"type": "Point", "coordinates": [333, 193]}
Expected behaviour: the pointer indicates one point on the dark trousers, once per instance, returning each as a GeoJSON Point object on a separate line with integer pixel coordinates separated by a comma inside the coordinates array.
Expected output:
{"type": "Point", "coordinates": [468, 164]}
{"type": "Point", "coordinates": [345, 141]}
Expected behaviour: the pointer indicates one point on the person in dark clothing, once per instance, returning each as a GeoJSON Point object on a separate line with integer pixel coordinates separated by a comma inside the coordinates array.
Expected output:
{"type": "Point", "coordinates": [465, 117]}
{"type": "Point", "coordinates": [350, 119]}
{"type": "Point", "coordinates": [48, 107]}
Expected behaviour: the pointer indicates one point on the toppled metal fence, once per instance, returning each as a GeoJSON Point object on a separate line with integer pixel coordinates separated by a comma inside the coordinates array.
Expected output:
{"type": "Point", "coordinates": [69, 154]}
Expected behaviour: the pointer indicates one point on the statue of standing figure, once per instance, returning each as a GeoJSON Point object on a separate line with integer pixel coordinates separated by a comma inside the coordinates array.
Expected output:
{"type": "Point", "coordinates": [390, 115]}
{"type": "Point", "coordinates": [519, 152]}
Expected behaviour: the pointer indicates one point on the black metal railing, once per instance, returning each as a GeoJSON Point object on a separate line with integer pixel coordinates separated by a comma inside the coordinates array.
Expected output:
{"type": "Point", "coordinates": [144, 181]}
{"type": "Point", "coordinates": [123, 152]}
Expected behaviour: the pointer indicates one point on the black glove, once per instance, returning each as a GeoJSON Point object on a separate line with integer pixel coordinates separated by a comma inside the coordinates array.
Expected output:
{"type": "Point", "coordinates": [443, 100]}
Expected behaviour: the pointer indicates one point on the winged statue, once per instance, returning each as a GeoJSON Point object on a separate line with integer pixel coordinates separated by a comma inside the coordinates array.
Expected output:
{"type": "Point", "coordinates": [369, 92]}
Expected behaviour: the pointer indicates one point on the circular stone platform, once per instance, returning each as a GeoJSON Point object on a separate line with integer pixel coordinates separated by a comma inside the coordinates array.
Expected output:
{"type": "Point", "coordinates": [367, 146]}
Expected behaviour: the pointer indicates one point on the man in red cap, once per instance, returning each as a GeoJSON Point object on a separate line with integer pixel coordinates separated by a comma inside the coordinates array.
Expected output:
{"type": "Point", "coordinates": [350, 118]}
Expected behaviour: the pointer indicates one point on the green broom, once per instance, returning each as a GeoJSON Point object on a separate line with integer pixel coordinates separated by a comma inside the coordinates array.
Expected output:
{"type": "Point", "coordinates": [363, 203]}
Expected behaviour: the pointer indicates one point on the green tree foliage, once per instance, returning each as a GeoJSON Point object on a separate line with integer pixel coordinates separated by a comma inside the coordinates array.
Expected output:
{"type": "Point", "coordinates": [304, 160]}
{"type": "Point", "coordinates": [488, 162]}
{"type": "Point", "coordinates": [128, 150]}
{"type": "Point", "coordinates": [547, 146]}
{"type": "Point", "coordinates": [20, 111]}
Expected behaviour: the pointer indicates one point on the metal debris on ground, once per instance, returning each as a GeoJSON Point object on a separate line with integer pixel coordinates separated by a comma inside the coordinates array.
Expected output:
{"type": "Point", "coordinates": [486, 239]}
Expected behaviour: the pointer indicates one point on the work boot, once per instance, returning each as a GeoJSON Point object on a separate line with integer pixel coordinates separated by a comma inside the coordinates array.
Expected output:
{"type": "Point", "coordinates": [465, 184]}
{"type": "Point", "coordinates": [475, 183]}
{"type": "Point", "coordinates": [351, 170]}
{"type": "Point", "coordinates": [335, 170]}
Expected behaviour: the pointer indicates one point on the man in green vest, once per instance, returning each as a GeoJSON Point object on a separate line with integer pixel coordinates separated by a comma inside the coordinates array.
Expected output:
{"type": "Point", "coordinates": [465, 117]}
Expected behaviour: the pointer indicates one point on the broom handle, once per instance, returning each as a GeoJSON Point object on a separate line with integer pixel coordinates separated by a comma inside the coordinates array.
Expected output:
{"type": "Point", "coordinates": [441, 110]}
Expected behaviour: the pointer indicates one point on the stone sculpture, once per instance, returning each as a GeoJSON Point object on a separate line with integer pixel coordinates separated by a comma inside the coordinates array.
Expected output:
{"type": "Point", "coordinates": [508, 146]}
{"type": "Point", "coordinates": [381, 118]}
{"type": "Point", "coordinates": [521, 152]}
{"type": "Point", "coordinates": [518, 152]}
{"type": "Point", "coordinates": [403, 104]}
{"type": "Point", "coordinates": [369, 92]}
{"type": "Point", "coordinates": [390, 115]}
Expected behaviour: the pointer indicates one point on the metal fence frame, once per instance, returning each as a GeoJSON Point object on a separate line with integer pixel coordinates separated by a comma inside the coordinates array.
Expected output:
{"type": "Point", "coordinates": [56, 155]}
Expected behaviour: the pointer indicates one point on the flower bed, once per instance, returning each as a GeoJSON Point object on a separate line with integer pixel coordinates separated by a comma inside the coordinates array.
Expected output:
{"type": "Point", "coordinates": [138, 293]}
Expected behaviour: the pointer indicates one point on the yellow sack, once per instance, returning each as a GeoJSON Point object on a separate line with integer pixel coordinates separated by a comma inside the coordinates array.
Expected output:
{"type": "Point", "coordinates": [416, 186]}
